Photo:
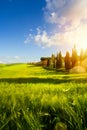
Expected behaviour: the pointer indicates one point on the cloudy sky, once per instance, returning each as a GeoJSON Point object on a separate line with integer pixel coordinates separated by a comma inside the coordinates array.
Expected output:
{"type": "Point", "coordinates": [30, 29]}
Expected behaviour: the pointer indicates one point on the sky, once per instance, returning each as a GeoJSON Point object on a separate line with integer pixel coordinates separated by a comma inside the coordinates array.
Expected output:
{"type": "Point", "coordinates": [30, 29]}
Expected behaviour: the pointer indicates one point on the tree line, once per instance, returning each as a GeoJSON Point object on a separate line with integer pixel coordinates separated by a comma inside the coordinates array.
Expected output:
{"type": "Point", "coordinates": [67, 62]}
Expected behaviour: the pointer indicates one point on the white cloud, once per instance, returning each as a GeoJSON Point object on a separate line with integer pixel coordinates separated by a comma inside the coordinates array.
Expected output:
{"type": "Point", "coordinates": [66, 12]}
{"type": "Point", "coordinates": [29, 38]}
{"type": "Point", "coordinates": [1, 62]}
{"type": "Point", "coordinates": [78, 36]}
{"type": "Point", "coordinates": [51, 4]}
{"type": "Point", "coordinates": [13, 59]}
{"type": "Point", "coordinates": [17, 57]}
{"type": "Point", "coordinates": [68, 15]}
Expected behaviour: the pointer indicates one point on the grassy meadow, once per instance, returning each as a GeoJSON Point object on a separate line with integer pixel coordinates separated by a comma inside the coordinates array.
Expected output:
{"type": "Point", "coordinates": [34, 98]}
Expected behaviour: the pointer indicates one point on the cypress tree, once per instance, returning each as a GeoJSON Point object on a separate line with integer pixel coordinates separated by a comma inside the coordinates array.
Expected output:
{"type": "Point", "coordinates": [67, 61]}
{"type": "Point", "coordinates": [74, 56]}
{"type": "Point", "coordinates": [59, 60]}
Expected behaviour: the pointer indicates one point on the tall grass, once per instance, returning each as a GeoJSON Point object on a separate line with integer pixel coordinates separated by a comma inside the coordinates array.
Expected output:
{"type": "Point", "coordinates": [30, 106]}
{"type": "Point", "coordinates": [42, 102]}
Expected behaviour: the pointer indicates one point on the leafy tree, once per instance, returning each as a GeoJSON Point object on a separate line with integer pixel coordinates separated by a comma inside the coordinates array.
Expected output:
{"type": "Point", "coordinates": [45, 61]}
{"type": "Point", "coordinates": [67, 61]}
{"type": "Point", "coordinates": [59, 60]}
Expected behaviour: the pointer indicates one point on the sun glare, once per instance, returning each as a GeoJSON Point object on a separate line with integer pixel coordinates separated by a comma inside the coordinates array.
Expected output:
{"type": "Point", "coordinates": [81, 45]}
{"type": "Point", "coordinates": [81, 42]}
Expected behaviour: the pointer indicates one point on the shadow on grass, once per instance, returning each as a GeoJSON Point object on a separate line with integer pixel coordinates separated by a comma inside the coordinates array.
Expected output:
{"type": "Point", "coordinates": [36, 80]}
{"type": "Point", "coordinates": [61, 70]}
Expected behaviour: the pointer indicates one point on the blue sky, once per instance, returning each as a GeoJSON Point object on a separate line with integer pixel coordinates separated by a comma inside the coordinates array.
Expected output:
{"type": "Point", "coordinates": [30, 29]}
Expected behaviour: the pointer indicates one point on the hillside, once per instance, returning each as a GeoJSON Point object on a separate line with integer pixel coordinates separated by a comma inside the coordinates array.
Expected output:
{"type": "Point", "coordinates": [35, 98]}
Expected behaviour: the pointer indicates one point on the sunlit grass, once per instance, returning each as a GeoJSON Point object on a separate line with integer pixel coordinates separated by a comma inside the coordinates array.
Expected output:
{"type": "Point", "coordinates": [32, 98]}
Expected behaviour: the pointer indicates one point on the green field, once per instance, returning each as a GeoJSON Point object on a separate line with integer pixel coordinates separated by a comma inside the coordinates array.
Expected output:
{"type": "Point", "coordinates": [34, 98]}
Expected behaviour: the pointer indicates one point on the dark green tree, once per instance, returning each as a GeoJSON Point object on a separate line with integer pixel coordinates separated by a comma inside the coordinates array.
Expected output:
{"type": "Point", "coordinates": [53, 60]}
{"type": "Point", "coordinates": [74, 58]}
{"type": "Point", "coordinates": [67, 61]}
{"type": "Point", "coordinates": [48, 62]}
{"type": "Point", "coordinates": [59, 60]}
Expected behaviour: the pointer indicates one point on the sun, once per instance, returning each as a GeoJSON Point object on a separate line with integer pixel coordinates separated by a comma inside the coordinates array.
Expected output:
{"type": "Point", "coordinates": [80, 37]}
{"type": "Point", "coordinates": [81, 41]}
{"type": "Point", "coordinates": [82, 44]}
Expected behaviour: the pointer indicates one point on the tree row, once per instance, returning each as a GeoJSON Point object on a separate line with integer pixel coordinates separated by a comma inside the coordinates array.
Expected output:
{"type": "Point", "coordinates": [67, 61]}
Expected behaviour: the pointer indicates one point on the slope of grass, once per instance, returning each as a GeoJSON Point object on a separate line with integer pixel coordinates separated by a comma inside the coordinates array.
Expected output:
{"type": "Point", "coordinates": [32, 98]}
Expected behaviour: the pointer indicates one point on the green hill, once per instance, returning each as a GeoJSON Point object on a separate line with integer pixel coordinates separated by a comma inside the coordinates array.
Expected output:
{"type": "Point", "coordinates": [34, 98]}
